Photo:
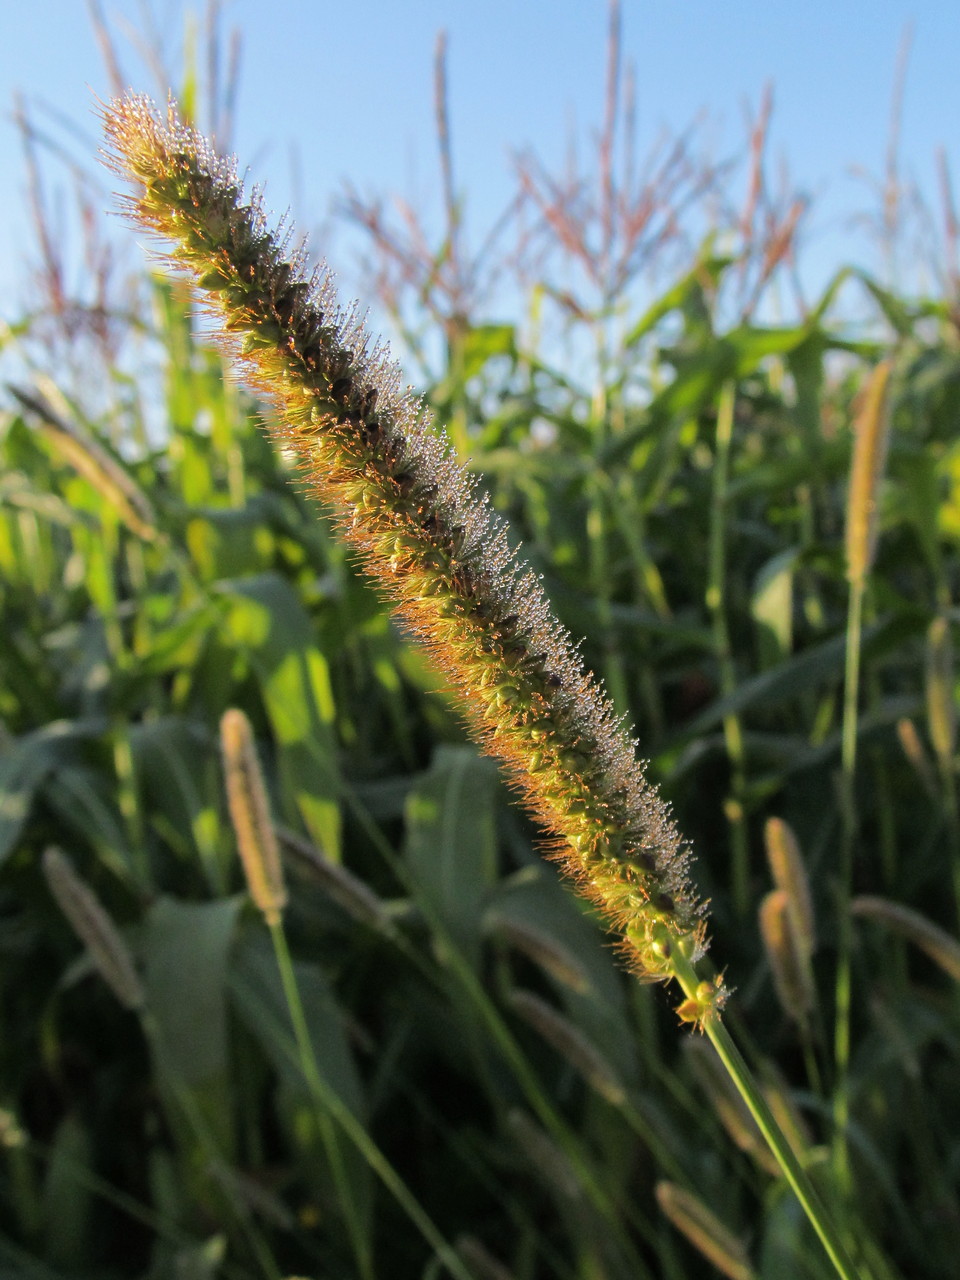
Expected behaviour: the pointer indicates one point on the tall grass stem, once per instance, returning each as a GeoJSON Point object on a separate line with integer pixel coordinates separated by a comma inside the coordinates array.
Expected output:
{"type": "Point", "coordinates": [793, 1171]}
{"type": "Point", "coordinates": [735, 806]}
{"type": "Point", "coordinates": [871, 438]}
{"type": "Point", "coordinates": [332, 1104]}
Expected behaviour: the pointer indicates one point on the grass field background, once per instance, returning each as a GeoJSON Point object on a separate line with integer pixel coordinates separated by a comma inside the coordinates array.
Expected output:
{"type": "Point", "coordinates": [678, 468]}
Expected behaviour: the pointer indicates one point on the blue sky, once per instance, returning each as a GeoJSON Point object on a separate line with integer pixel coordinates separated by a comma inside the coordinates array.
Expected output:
{"type": "Point", "coordinates": [331, 92]}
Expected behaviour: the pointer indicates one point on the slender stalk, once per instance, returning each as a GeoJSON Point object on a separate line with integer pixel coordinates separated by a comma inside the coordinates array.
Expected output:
{"type": "Point", "coordinates": [848, 751]}
{"type": "Point", "coordinates": [732, 729]}
{"type": "Point", "coordinates": [198, 1125]}
{"type": "Point", "coordinates": [942, 724]}
{"type": "Point", "coordinates": [871, 437]}
{"type": "Point", "coordinates": [471, 987]}
{"type": "Point", "coordinates": [359, 1239]}
{"type": "Point", "coordinates": [749, 1090]}
{"type": "Point", "coordinates": [844, 935]}
{"type": "Point", "coordinates": [259, 849]}
{"type": "Point", "coordinates": [351, 1126]}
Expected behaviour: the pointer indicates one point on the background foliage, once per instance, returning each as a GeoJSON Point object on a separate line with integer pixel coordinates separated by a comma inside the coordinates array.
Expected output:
{"type": "Point", "coordinates": [158, 565]}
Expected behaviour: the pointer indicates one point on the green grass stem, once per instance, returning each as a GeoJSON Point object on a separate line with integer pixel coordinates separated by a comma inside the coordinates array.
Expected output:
{"type": "Point", "coordinates": [717, 605]}
{"type": "Point", "coordinates": [843, 979]}
{"type": "Point", "coordinates": [193, 1115]}
{"type": "Point", "coordinates": [748, 1088]}
{"type": "Point", "coordinates": [333, 1106]}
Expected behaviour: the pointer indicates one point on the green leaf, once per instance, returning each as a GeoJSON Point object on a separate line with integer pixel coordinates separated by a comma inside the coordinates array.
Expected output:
{"type": "Point", "coordinates": [257, 993]}
{"type": "Point", "coordinates": [186, 952]}
{"type": "Point", "coordinates": [772, 606]}
{"type": "Point", "coordinates": [685, 295]}
{"type": "Point", "coordinates": [85, 801]}
{"type": "Point", "coordinates": [917, 498]}
{"type": "Point", "coordinates": [450, 844]}
{"type": "Point", "coordinates": [805, 363]}
{"type": "Point", "coordinates": [268, 622]}
{"type": "Point", "coordinates": [229, 544]}
{"type": "Point", "coordinates": [172, 644]}
{"type": "Point", "coordinates": [26, 763]}
{"type": "Point", "coordinates": [901, 317]}
{"type": "Point", "coordinates": [181, 786]}
{"type": "Point", "coordinates": [66, 1195]}
{"type": "Point", "coordinates": [189, 1261]}
{"type": "Point", "coordinates": [817, 665]}
{"type": "Point", "coordinates": [483, 343]}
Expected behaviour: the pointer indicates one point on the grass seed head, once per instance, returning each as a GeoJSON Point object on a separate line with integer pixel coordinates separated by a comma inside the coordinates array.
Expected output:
{"type": "Point", "coordinates": [95, 929]}
{"type": "Point", "coordinates": [569, 1041]}
{"type": "Point", "coordinates": [551, 955]}
{"type": "Point", "coordinates": [250, 814]}
{"type": "Point", "coordinates": [941, 704]}
{"type": "Point", "coordinates": [340, 884]}
{"type": "Point", "coordinates": [421, 530]}
{"type": "Point", "coordinates": [705, 1231]}
{"type": "Point", "coordinates": [942, 947]}
{"type": "Point", "coordinates": [789, 960]}
{"type": "Point", "coordinates": [915, 752]}
{"type": "Point", "coordinates": [790, 874]}
{"type": "Point", "coordinates": [871, 436]}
